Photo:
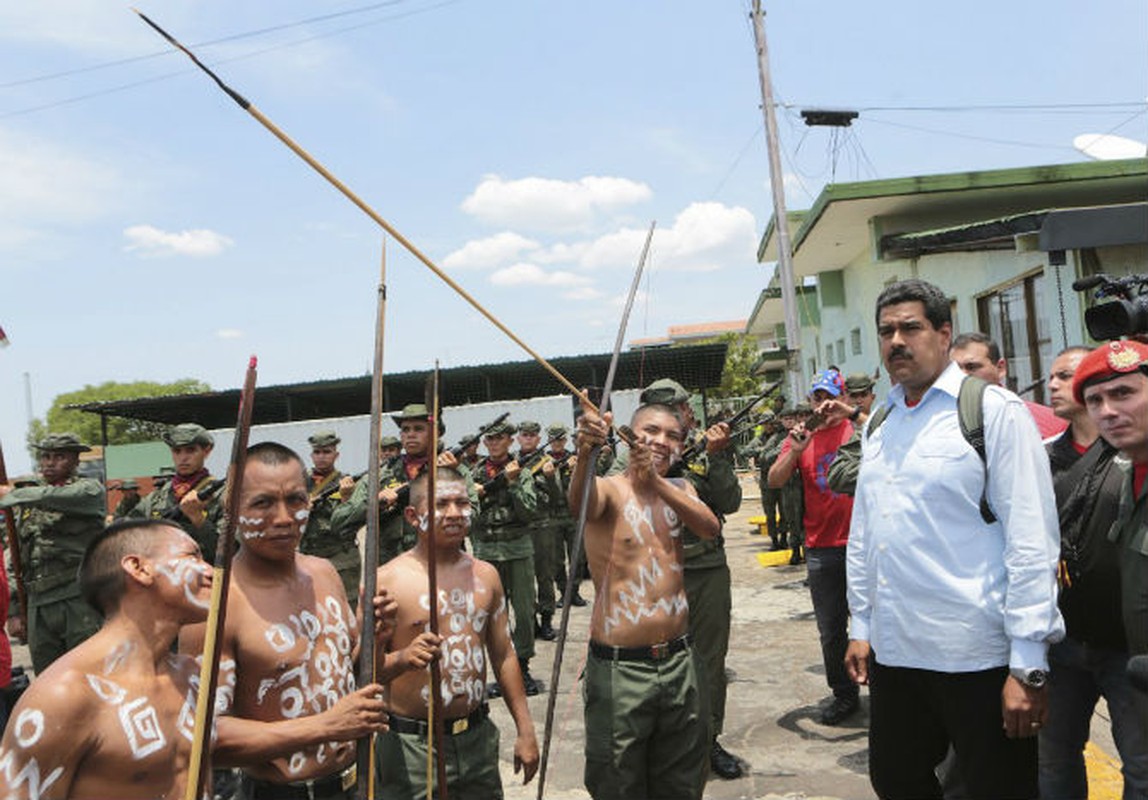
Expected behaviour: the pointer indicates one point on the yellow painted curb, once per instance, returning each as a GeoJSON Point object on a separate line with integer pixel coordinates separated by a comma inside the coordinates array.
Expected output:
{"type": "Point", "coordinates": [774, 558]}
{"type": "Point", "coordinates": [1105, 781]}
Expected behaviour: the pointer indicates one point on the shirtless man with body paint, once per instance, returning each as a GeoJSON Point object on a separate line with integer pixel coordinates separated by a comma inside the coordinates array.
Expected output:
{"type": "Point", "coordinates": [293, 640]}
{"type": "Point", "coordinates": [474, 630]}
{"type": "Point", "coordinates": [115, 716]}
{"type": "Point", "coordinates": [641, 670]}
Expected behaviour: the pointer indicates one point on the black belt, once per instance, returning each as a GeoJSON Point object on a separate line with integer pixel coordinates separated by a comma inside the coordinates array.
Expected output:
{"type": "Point", "coordinates": [451, 727]}
{"type": "Point", "coordinates": [337, 787]}
{"type": "Point", "coordinates": [648, 652]}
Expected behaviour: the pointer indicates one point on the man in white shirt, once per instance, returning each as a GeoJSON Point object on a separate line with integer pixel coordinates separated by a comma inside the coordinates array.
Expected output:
{"type": "Point", "coordinates": [951, 615]}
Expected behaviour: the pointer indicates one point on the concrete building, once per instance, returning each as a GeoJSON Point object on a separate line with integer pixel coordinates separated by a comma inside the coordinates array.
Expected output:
{"type": "Point", "coordinates": [1006, 245]}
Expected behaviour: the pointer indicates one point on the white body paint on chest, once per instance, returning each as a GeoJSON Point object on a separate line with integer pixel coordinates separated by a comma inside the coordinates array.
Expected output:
{"type": "Point", "coordinates": [463, 656]}
{"type": "Point", "coordinates": [27, 729]}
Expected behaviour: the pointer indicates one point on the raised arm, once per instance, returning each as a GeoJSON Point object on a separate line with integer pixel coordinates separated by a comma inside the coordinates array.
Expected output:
{"type": "Point", "coordinates": [591, 433]}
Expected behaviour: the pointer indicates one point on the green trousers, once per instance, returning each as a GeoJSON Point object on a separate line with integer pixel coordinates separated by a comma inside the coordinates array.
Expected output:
{"type": "Point", "coordinates": [564, 555]}
{"type": "Point", "coordinates": [708, 592]}
{"type": "Point", "coordinates": [349, 565]}
{"type": "Point", "coordinates": [56, 627]}
{"type": "Point", "coordinates": [471, 764]}
{"type": "Point", "coordinates": [545, 537]}
{"type": "Point", "coordinates": [517, 576]}
{"type": "Point", "coordinates": [647, 729]}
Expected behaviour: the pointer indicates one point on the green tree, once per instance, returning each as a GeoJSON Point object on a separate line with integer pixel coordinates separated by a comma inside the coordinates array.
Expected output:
{"type": "Point", "coordinates": [737, 378]}
{"type": "Point", "coordinates": [86, 425]}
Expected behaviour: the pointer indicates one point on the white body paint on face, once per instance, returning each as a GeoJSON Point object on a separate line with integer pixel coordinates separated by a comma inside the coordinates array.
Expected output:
{"type": "Point", "coordinates": [302, 515]}
{"type": "Point", "coordinates": [250, 527]}
{"type": "Point", "coordinates": [187, 572]}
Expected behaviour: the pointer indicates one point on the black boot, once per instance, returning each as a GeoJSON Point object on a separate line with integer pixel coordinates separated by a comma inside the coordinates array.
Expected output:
{"type": "Point", "coordinates": [532, 685]}
{"type": "Point", "coordinates": [798, 556]}
{"type": "Point", "coordinates": [546, 629]}
{"type": "Point", "coordinates": [723, 764]}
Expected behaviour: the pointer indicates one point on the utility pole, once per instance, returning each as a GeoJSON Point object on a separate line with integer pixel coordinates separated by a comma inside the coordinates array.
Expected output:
{"type": "Point", "coordinates": [781, 222]}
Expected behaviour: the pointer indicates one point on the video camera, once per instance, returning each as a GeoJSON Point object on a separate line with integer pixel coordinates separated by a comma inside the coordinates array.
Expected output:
{"type": "Point", "coordinates": [1126, 315]}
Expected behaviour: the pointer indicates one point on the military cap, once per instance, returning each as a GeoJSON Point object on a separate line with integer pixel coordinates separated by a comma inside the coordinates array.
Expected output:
{"type": "Point", "coordinates": [768, 416]}
{"type": "Point", "coordinates": [1110, 360]}
{"type": "Point", "coordinates": [412, 411]}
{"type": "Point", "coordinates": [62, 442]}
{"type": "Point", "coordinates": [188, 433]}
{"type": "Point", "coordinates": [529, 426]}
{"type": "Point", "coordinates": [666, 392]}
{"type": "Point", "coordinates": [390, 441]}
{"type": "Point", "coordinates": [25, 480]}
{"type": "Point", "coordinates": [858, 382]}
{"type": "Point", "coordinates": [556, 430]}
{"type": "Point", "coordinates": [501, 428]}
{"type": "Point", "coordinates": [787, 411]}
{"type": "Point", "coordinates": [324, 439]}
{"type": "Point", "coordinates": [803, 408]}
{"type": "Point", "coordinates": [127, 484]}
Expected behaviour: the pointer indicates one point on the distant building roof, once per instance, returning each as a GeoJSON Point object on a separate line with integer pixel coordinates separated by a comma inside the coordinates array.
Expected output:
{"type": "Point", "coordinates": [681, 334]}
{"type": "Point", "coordinates": [694, 366]}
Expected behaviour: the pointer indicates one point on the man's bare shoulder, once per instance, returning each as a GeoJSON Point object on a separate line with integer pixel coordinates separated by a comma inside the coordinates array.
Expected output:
{"type": "Point", "coordinates": [483, 570]}
{"type": "Point", "coordinates": [316, 567]}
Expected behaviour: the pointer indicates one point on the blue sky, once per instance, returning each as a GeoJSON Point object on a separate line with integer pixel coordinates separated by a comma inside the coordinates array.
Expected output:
{"type": "Point", "coordinates": [149, 229]}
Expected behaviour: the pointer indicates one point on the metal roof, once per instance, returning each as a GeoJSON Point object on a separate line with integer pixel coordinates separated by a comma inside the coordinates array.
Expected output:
{"type": "Point", "coordinates": [696, 367]}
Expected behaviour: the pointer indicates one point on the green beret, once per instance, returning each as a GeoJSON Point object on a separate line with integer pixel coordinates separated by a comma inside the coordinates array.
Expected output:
{"type": "Point", "coordinates": [128, 484]}
{"type": "Point", "coordinates": [858, 382]}
{"type": "Point", "coordinates": [390, 441]}
{"type": "Point", "coordinates": [62, 443]}
{"type": "Point", "coordinates": [186, 434]}
{"type": "Point", "coordinates": [324, 439]}
{"type": "Point", "coordinates": [502, 428]}
{"type": "Point", "coordinates": [529, 426]}
{"type": "Point", "coordinates": [556, 430]}
{"type": "Point", "coordinates": [664, 392]}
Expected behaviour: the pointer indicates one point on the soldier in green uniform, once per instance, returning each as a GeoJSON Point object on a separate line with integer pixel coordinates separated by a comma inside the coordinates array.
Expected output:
{"type": "Point", "coordinates": [129, 498]}
{"type": "Point", "coordinates": [179, 499]}
{"type": "Point", "coordinates": [55, 521]}
{"type": "Point", "coordinates": [792, 493]}
{"type": "Point", "coordinates": [395, 475]}
{"type": "Point", "coordinates": [707, 576]}
{"type": "Point", "coordinates": [765, 453]}
{"type": "Point", "coordinates": [389, 448]}
{"type": "Point", "coordinates": [328, 488]}
{"type": "Point", "coordinates": [563, 521]}
{"type": "Point", "coordinates": [501, 535]}
{"type": "Point", "coordinates": [543, 530]}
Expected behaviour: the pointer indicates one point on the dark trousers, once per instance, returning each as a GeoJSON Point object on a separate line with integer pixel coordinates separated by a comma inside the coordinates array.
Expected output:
{"type": "Point", "coordinates": [914, 717]}
{"type": "Point", "coordinates": [826, 566]}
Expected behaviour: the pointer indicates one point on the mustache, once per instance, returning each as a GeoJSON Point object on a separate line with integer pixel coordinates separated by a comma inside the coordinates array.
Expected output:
{"type": "Point", "coordinates": [900, 352]}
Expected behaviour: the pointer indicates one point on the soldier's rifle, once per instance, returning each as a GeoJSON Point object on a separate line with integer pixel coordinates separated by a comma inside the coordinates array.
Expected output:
{"type": "Point", "coordinates": [532, 462]}
{"type": "Point", "coordinates": [14, 552]}
{"type": "Point", "coordinates": [221, 581]}
{"type": "Point", "coordinates": [209, 491]}
{"type": "Point", "coordinates": [695, 449]}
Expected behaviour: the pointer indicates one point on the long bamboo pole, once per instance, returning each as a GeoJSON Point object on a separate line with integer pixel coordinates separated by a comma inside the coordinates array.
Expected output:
{"type": "Point", "coordinates": [435, 732]}
{"type": "Point", "coordinates": [199, 774]}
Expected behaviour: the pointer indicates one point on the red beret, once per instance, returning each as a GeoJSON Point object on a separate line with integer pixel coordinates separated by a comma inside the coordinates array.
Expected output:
{"type": "Point", "coordinates": [1108, 361]}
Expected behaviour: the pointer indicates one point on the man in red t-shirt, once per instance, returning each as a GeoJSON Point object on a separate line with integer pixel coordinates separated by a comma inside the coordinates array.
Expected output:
{"type": "Point", "coordinates": [809, 449]}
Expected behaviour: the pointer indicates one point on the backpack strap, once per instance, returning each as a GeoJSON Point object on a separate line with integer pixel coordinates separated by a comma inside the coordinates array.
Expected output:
{"type": "Point", "coordinates": [877, 418]}
{"type": "Point", "coordinates": [971, 415]}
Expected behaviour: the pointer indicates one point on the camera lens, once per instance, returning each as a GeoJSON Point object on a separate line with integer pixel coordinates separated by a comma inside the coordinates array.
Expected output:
{"type": "Point", "coordinates": [1117, 318]}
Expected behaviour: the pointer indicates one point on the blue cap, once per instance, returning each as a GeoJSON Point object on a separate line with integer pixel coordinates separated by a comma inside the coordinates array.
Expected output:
{"type": "Point", "coordinates": [830, 381]}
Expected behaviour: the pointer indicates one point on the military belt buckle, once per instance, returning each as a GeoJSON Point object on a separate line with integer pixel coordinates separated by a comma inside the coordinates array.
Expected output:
{"type": "Point", "coordinates": [350, 776]}
{"type": "Point", "coordinates": [459, 726]}
{"type": "Point", "coordinates": [660, 650]}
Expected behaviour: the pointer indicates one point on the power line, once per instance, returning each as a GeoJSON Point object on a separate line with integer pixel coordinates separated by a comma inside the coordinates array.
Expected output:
{"type": "Point", "coordinates": [956, 135]}
{"type": "Point", "coordinates": [994, 107]}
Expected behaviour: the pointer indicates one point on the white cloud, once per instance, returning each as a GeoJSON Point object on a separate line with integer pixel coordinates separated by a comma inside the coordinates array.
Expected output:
{"type": "Point", "coordinates": [229, 333]}
{"type": "Point", "coordinates": [151, 242]}
{"type": "Point", "coordinates": [489, 252]}
{"type": "Point", "coordinates": [532, 275]}
{"type": "Point", "coordinates": [551, 205]}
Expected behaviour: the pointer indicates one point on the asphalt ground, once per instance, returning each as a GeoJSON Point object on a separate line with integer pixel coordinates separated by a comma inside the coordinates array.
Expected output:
{"type": "Point", "coordinates": [776, 688]}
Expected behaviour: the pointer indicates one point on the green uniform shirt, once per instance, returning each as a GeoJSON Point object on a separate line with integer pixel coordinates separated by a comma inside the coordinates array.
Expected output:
{"type": "Point", "coordinates": [319, 539]}
{"type": "Point", "coordinates": [501, 528]}
{"type": "Point", "coordinates": [162, 502]}
{"type": "Point", "coordinates": [54, 525]}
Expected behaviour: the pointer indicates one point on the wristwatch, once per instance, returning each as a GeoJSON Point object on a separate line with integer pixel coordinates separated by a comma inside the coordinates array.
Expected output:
{"type": "Point", "coordinates": [1032, 678]}
{"type": "Point", "coordinates": [856, 413]}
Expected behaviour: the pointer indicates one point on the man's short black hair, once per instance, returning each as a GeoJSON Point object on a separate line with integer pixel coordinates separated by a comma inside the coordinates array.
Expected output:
{"type": "Point", "coordinates": [661, 407]}
{"type": "Point", "coordinates": [102, 581]}
{"type": "Point", "coordinates": [976, 337]}
{"type": "Point", "coordinates": [915, 290]}
{"type": "Point", "coordinates": [273, 454]}
{"type": "Point", "coordinates": [442, 475]}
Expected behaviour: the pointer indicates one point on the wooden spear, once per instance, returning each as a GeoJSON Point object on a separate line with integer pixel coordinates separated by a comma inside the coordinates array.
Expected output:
{"type": "Point", "coordinates": [571, 584]}
{"type": "Point", "coordinates": [365, 761]}
{"type": "Point", "coordinates": [435, 734]}
{"type": "Point", "coordinates": [221, 580]}
{"type": "Point", "coordinates": [366, 209]}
